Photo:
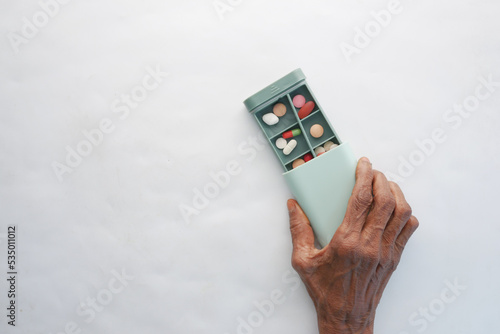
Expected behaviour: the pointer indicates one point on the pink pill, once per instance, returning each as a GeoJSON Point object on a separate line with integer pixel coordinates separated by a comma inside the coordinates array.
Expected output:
{"type": "Point", "coordinates": [299, 101]}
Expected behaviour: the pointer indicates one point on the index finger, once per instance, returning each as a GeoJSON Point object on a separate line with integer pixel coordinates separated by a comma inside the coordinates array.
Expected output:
{"type": "Point", "coordinates": [361, 198]}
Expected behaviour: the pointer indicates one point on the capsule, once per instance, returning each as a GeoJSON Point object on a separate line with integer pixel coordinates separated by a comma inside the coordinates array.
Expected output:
{"type": "Point", "coordinates": [291, 133]}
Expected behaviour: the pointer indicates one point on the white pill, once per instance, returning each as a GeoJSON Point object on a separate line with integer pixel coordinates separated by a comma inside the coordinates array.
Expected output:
{"type": "Point", "coordinates": [319, 150]}
{"type": "Point", "coordinates": [270, 119]}
{"type": "Point", "coordinates": [329, 145]}
{"type": "Point", "coordinates": [281, 143]}
{"type": "Point", "coordinates": [289, 147]}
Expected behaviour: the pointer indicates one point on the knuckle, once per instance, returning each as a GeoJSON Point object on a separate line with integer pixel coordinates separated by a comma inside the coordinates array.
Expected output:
{"type": "Point", "coordinates": [414, 224]}
{"type": "Point", "coordinates": [341, 231]}
{"type": "Point", "coordinates": [404, 211]}
{"type": "Point", "coordinates": [395, 187]}
{"type": "Point", "coordinates": [294, 226]}
{"type": "Point", "coordinates": [400, 246]}
{"type": "Point", "coordinates": [366, 254]}
{"type": "Point", "coordinates": [387, 202]}
{"type": "Point", "coordinates": [347, 250]}
{"type": "Point", "coordinates": [388, 261]}
{"type": "Point", "coordinates": [392, 264]}
{"type": "Point", "coordinates": [363, 198]}
{"type": "Point", "coordinates": [371, 255]}
{"type": "Point", "coordinates": [369, 252]}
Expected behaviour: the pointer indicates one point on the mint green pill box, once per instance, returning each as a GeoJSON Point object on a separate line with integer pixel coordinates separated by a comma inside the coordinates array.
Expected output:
{"type": "Point", "coordinates": [323, 185]}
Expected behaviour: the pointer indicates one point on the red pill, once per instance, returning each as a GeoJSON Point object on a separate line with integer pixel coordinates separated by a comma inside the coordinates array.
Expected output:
{"type": "Point", "coordinates": [306, 109]}
{"type": "Point", "coordinates": [308, 157]}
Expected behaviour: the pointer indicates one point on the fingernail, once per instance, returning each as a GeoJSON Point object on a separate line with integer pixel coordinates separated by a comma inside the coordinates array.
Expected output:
{"type": "Point", "coordinates": [365, 159]}
{"type": "Point", "coordinates": [291, 205]}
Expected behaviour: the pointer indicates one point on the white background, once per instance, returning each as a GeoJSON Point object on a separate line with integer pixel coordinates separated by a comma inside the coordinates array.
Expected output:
{"type": "Point", "coordinates": [119, 208]}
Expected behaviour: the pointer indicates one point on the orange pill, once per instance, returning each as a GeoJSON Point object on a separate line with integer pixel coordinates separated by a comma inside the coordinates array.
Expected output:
{"type": "Point", "coordinates": [279, 109]}
{"type": "Point", "coordinates": [297, 163]}
{"type": "Point", "coordinates": [316, 130]}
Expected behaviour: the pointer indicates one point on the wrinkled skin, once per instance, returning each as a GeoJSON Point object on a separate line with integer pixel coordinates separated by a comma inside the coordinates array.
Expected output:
{"type": "Point", "coordinates": [347, 277]}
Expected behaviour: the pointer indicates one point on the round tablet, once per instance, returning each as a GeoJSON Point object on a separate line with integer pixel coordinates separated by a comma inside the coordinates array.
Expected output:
{"type": "Point", "coordinates": [297, 163]}
{"type": "Point", "coordinates": [308, 157]}
{"type": "Point", "coordinates": [316, 130]}
{"type": "Point", "coordinates": [329, 145]}
{"type": "Point", "coordinates": [319, 150]}
{"type": "Point", "coordinates": [279, 109]}
{"type": "Point", "coordinates": [281, 143]}
{"type": "Point", "coordinates": [299, 101]}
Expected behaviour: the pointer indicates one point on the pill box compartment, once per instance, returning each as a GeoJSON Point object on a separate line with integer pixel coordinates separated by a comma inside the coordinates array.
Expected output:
{"type": "Point", "coordinates": [334, 140]}
{"type": "Point", "coordinates": [305, 92]}
{"type": "Point", "coordinates": [311, 120]}
{"type": "Point", "coordinates": [289, 166]}
{"type": "Point", "coordinates": [299, 150]}
{"type": "Point", "coordinates": [286, 122]}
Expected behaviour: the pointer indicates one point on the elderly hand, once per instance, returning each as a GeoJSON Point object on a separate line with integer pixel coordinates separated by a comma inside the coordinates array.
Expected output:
{"type": "Point", "coordinates": [346, 278]}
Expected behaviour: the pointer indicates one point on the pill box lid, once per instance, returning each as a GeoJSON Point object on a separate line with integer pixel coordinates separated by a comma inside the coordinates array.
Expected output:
{"type": "Point", "coordinates": [275, 89]}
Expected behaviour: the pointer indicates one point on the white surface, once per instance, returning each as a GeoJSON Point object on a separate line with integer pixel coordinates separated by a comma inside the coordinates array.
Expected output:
{"type": "Point", "coordinates": [120, 207]}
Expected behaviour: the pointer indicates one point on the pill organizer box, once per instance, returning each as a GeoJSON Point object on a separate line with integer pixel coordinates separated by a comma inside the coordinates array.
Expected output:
{"type": "Point", "coordinates": [323, 185]}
